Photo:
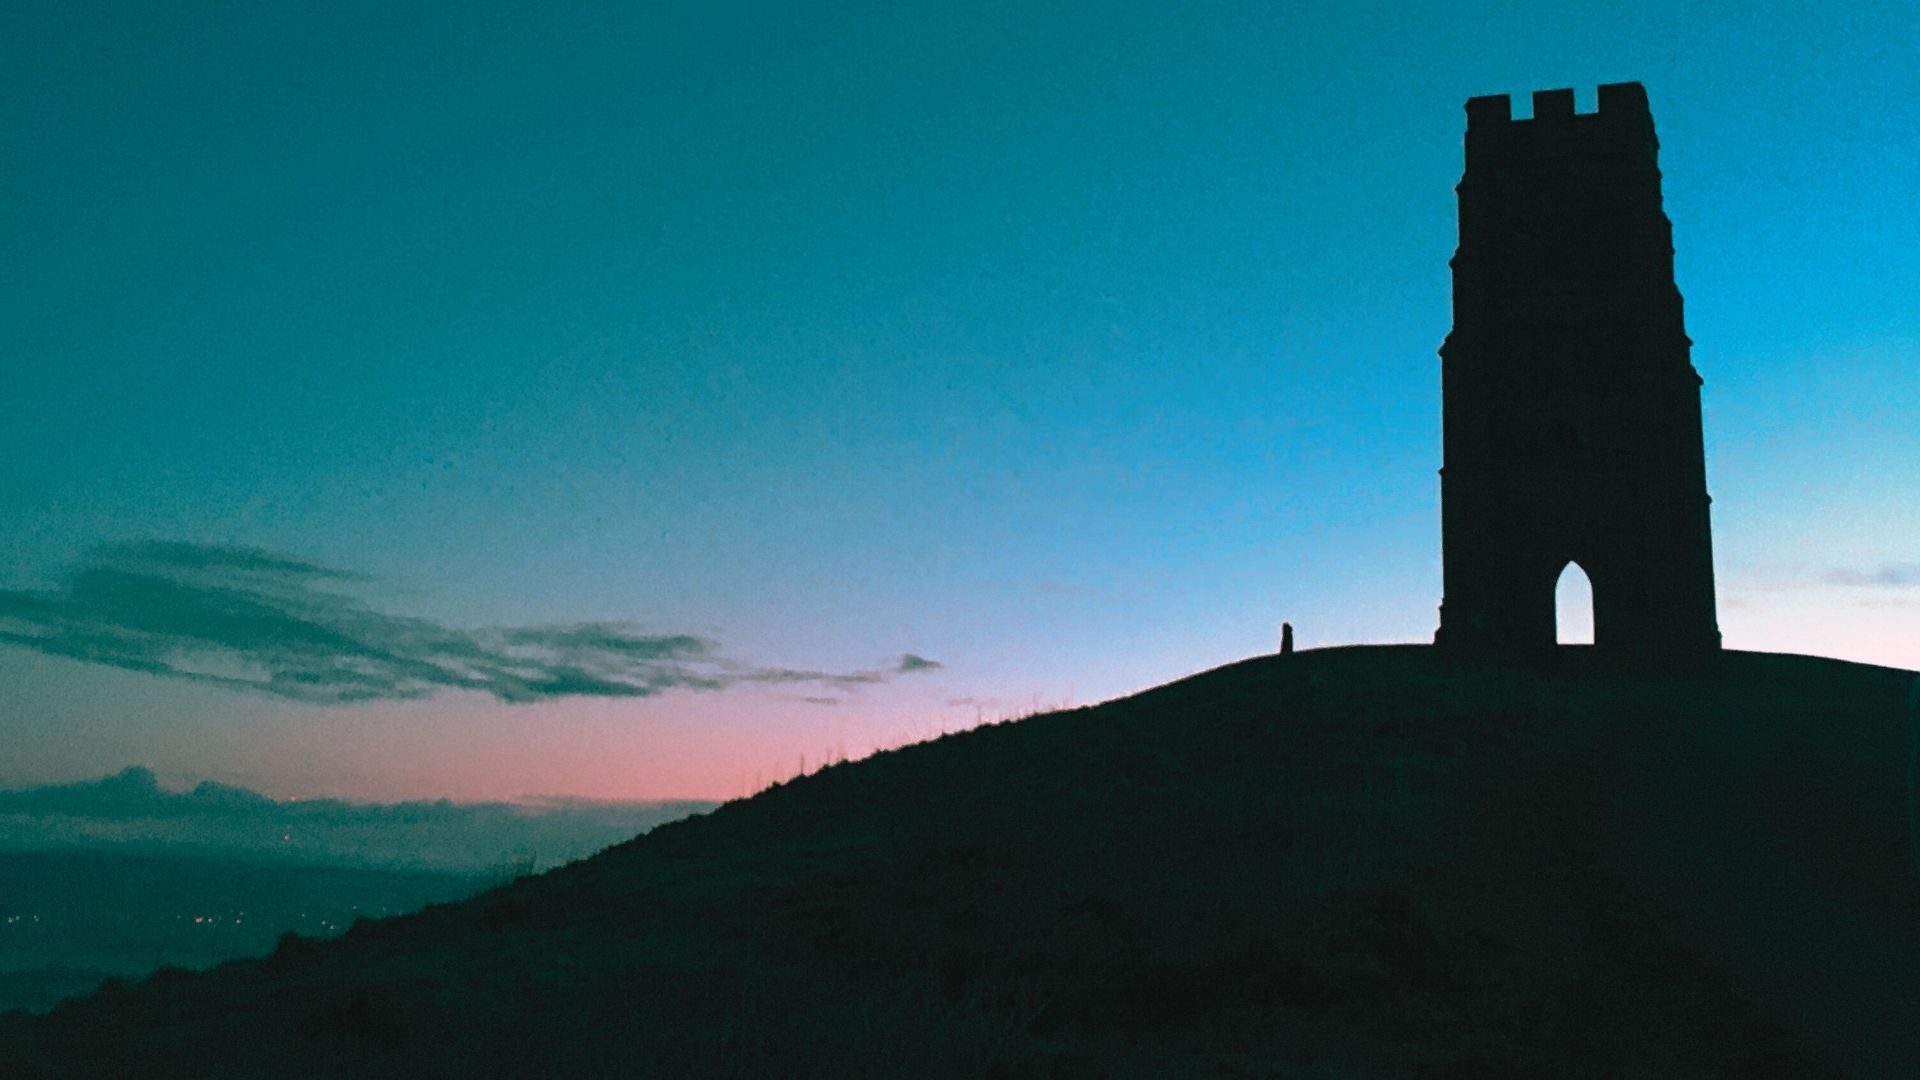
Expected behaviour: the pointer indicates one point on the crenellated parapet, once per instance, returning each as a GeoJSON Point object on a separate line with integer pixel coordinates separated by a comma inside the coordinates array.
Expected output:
{"type": "Point", "coordinates": [1563, 193]}
{"type": "Point", "coordinates": [1622, 112]}
{"type": "Point", "coordinates": [1618, 103]}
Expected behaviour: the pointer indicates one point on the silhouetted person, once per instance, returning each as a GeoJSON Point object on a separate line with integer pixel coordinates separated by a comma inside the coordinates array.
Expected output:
{"type": "Point", "coordinates": [1286, 639]}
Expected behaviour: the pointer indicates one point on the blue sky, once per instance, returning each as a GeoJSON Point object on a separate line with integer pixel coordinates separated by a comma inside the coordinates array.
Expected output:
{"type": "Point", "coordinates": [1072, 347]}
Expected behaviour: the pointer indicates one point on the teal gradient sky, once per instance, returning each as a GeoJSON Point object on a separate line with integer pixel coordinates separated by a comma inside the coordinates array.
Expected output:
{"type": "Point", "coordinates": [1071, 346]}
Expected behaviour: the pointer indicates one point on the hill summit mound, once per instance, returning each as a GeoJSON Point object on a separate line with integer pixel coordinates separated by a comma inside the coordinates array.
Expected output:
{"type": "Point", "coordinates": [1363, 861]}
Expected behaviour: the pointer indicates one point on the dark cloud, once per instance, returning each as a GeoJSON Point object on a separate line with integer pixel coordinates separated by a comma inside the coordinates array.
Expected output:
{"type": "Point", "coordinates": [1890, 575]}
{"type": "Point", "coordinates": [130, 811]}
{"type": "Point", "coordinates": [250, 619]}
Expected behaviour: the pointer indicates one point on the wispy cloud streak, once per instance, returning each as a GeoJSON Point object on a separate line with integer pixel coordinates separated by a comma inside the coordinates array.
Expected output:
{"type": "Point", "coordinates": [1886, 576]}
{"type": "Point", "coordinates": [255, 620]}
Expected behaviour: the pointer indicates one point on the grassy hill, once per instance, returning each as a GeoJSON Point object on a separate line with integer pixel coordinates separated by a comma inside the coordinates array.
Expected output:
{"type": "Point", "coordinates": [1347, 862]}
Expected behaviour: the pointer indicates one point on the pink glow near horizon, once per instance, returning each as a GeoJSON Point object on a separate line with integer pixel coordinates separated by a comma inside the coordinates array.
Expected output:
{"type": "Point", "coordinates": [689, 745]}
{"type": "Point", "coordinates": [681, 746]}
{"type": "Point", "coordinates": [716, 747]}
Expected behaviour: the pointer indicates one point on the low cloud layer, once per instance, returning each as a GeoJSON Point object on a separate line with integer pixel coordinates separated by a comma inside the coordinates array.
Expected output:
{"type": "Point", "coordinates": [255, 620]}
{"type": "Point", "coordinates": [129, 811]}
{"type": "Point", "coordinates": [1887, 576]}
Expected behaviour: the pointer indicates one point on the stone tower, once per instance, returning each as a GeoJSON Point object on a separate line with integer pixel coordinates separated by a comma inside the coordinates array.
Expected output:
{"type": "Point", "coordinates": [1570, 405]}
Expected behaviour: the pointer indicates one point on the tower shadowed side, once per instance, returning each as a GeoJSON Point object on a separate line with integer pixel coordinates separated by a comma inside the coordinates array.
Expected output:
{"type": "Point", "coordinates": [1571, 408]}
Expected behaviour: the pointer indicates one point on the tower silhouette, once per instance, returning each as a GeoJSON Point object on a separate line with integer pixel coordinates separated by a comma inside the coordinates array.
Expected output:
{"type": "Point", "coordinates": [1571, 409]}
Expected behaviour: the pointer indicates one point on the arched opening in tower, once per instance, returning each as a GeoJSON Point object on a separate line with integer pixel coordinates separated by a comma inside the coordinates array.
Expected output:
{"type": "Point", "coordinates": [1573, 606]}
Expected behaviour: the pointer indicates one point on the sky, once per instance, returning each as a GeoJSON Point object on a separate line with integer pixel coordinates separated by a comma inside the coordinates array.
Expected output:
{"type": "Point", "coordinates": [652, 400]}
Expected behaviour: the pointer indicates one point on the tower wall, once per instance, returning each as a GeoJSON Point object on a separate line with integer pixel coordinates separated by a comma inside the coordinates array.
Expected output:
{"type": "Point", "coordinates": [1571, 409]}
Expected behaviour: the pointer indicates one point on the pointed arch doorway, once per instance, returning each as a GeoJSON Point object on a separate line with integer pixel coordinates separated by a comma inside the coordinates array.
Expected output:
{"type": "Point", "coordinates": [1573, 606]}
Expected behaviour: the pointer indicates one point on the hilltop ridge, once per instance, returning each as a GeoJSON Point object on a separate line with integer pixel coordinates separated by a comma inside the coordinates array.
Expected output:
{"type": "Point", "coordinates": [1364, 861]}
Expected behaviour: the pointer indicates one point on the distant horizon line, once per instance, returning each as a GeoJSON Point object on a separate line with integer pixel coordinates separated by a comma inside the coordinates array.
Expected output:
{"type": "Point", "coordinates": [10, 787]}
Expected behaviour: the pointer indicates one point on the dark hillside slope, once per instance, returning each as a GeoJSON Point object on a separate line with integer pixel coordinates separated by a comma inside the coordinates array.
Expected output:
{"type": "Point", "coordinates": [71, 919]}
{"type": "Point", "coordinates": [1347, 862]}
